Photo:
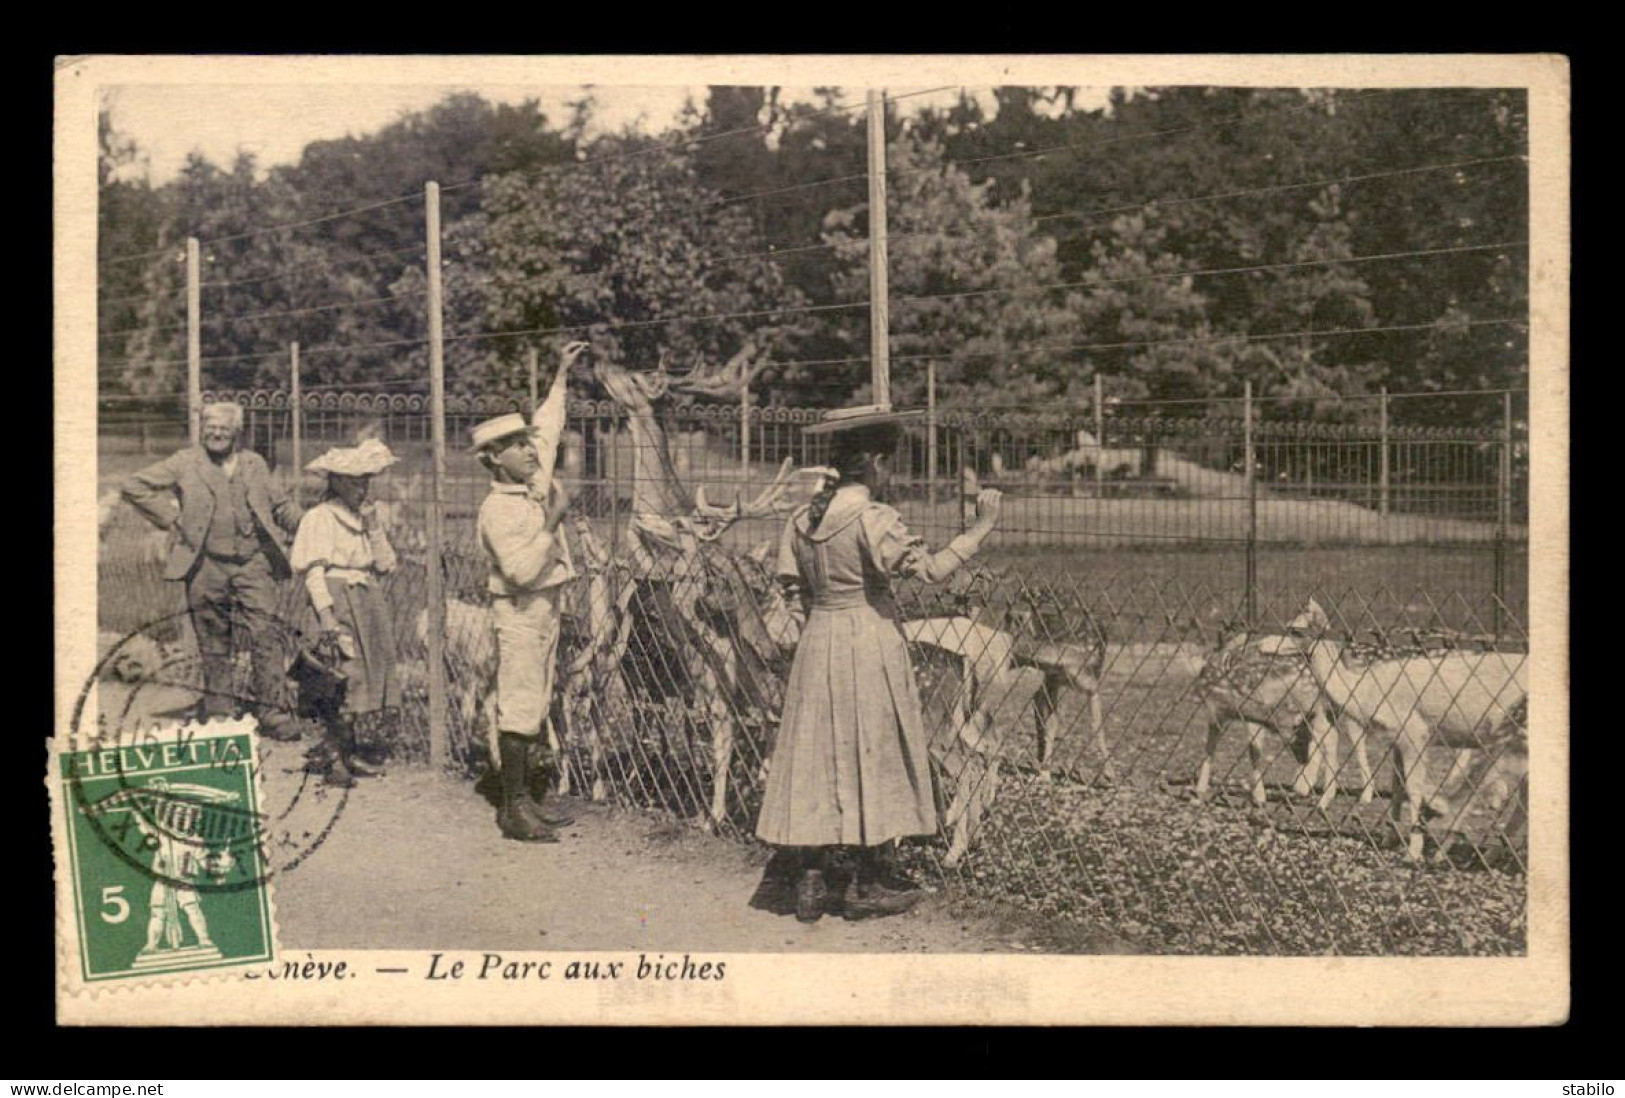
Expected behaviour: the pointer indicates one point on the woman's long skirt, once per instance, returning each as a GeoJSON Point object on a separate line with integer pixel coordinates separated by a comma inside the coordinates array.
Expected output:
{"type": "Point", "coordinates": [850, 765]}
{"type": "Point", "coordinates": [373, 682]}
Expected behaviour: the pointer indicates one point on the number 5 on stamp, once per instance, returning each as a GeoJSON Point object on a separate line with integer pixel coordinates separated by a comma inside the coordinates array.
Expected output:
{"type": "Point", "coordinates": [167, 846]}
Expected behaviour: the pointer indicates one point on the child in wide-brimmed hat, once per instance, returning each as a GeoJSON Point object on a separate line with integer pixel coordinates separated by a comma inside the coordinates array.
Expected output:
{"type": "Point", "coordinates": [518, 528]}
{"type": "Point", "coordinates": [342, 553]}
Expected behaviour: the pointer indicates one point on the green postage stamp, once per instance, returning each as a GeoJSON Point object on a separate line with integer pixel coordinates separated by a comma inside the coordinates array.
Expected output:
{"type": "Point", "coordinates": [167, 851]}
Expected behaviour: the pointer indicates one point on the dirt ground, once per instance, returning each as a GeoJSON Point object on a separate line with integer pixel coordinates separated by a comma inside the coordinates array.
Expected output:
{"type": "Point", "coordinates": [414, 861]}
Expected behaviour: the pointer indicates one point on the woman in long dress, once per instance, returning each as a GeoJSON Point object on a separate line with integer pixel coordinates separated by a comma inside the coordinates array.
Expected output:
{"type": "Point", "coordinates": [343, 554]}
{"type": "Point", "coordinates": [850, 766]}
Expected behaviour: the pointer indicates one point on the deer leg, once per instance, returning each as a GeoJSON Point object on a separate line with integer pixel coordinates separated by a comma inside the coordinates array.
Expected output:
{"type": "Point", "coordinates": [1362, 756]}
{"type": "Point", "coordinates": [981, 801]}
{"type": "Point", "coordinates": [1255, 755]}
{"type": "Point", "coordinates": [1097, 723]}
{"type": "Point", "coordinates": [1406, 809]}
{"type": "Point", "coordinates": [1309, 773]}
{"type": "Point", "coordinates": [1327, 756]}
{"type": "Point", "coordinates": [1044, 708]}
{"type": "Point", "coordinates": [1215, 730]}
{"type": "Point", "coordinates": [1516, 828]}
{"type": "Point", "coordinates": [1460, 769]}
{"type": "Point", "coordinates": [723, 730]}
{"type": "Point", "coordinates": [555, 745]}
{"type": "Point", "coordinates": [595, 749]}
{"type": "Point", "coordinates": [722, 747]}
{"type": "Point", "coordinates": [966, 809]}
{"type": "Point", "coordinates": [957, 761]}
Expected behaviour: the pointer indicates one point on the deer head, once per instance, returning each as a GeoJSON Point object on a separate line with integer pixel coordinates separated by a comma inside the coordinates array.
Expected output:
{"type": "Point", "coordinates": [1312, 620]}
{"type": "Point", "coordinates": [633, 391]}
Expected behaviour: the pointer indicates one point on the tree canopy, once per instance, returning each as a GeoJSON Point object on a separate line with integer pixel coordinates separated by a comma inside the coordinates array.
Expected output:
{"type": "Point", "coordinates": [1177, 242]}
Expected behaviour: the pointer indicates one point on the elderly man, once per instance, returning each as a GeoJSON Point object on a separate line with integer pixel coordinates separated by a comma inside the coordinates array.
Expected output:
{"type": "Point", "coordinates": [529, 559]}
{"type": "Point", "coordinates": [230, 523]}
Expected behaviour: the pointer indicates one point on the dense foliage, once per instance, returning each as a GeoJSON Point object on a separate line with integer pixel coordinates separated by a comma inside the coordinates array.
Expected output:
{"type": "Point", "coordinates": [1178, 242]}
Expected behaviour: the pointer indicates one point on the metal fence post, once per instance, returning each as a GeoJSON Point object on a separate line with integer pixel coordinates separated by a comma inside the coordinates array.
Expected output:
{"type": "Point", "coordinates": [931, 433]}
{"type": "Point", "coordinates": [194, 341]}
{"type": "Point", "coordinates": [615, 484]}
{"type": "Point", "coordinates": [1382, 452]}
{"type": "Point", "coordinates": [1252, 506]}
{"type": "Point", "coordinates": [744, 437]}
{"type": "Point", "coordinates": [959, 477]}
{"type": "Point", "coordinates": [439, 743]}
{"type": "Point", "coordinates": [1100, 439]}
{"type": "Point", "coordinates": [1503, 518]}
{"type": "Point", "coordinates": [296, 423]}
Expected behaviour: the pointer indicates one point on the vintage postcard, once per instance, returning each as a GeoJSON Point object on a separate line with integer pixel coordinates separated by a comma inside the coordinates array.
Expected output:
{"type": "Point", "coordinates": [753, 540]}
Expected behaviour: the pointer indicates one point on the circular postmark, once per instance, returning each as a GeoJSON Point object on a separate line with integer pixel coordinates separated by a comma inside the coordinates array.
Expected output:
{"type": "Point", "coordinates": [205, 805]}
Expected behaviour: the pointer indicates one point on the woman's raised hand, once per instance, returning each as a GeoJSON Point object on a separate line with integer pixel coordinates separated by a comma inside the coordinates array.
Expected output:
{"type": "Point", "coordinates": [989, 502]}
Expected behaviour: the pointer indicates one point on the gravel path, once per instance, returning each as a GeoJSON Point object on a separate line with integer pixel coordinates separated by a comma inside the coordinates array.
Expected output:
{"type": "Point", "coordinates": [415, 862]}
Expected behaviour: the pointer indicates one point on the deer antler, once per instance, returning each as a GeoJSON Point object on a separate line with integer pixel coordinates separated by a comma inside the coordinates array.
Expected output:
{"type": "Point", "coordinates": [727, 380]}
{"type": "Point", "coordinates": [713, 520]}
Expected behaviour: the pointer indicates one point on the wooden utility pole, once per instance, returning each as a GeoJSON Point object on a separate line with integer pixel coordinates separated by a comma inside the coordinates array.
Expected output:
{"type": "Point", "coordinates": [439, 742]}
{"type": "Point", "coordinates": [194, 341]}
{"type": "Point", "coordinates": [879, 319]}
{"type": "Point", "coordinates": [530, 364]}
{"type": "Point", "coordinates": [296, 413]}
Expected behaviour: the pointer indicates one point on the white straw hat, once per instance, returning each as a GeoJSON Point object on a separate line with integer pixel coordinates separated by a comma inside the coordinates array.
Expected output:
{"type": "Point", "coordinates": [368, 459]}
{"type": "Point", "coordinates": [492, 430]}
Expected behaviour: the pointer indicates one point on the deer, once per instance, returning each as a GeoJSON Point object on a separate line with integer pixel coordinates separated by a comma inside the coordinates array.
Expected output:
{"type": "Point", "coordinates": [968, 749]}
{"type": "Point", "coordinates": [1044, 631]}
{"type": "Point", "coordinates": [1264, 683]}
{"type": "Point", "coordinates": [1475, 701]}
{"type": "Point", "coordinates": [702, 592]}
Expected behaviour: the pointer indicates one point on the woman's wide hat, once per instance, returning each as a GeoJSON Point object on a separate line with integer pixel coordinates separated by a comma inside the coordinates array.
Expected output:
{"type": "Point", "coordinates": [366, 460]}
{"type": "Point", "coordinates": [863, 417]}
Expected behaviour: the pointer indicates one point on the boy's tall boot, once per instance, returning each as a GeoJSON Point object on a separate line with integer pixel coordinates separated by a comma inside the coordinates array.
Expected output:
{"type": "Point", "coordinates": [518, 817]}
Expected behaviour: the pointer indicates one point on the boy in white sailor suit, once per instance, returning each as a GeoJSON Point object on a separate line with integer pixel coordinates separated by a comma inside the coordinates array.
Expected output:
{"type": "Point", "coordinates": [518, 530]}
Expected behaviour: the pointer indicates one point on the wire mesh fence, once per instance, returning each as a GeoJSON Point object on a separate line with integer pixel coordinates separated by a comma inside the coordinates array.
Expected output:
{"type": "Point", "coordinates": [1322, 750]}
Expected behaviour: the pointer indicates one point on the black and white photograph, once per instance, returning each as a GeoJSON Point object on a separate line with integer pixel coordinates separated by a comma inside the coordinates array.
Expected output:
{"type": "Point", "coordinates": [669, 522]}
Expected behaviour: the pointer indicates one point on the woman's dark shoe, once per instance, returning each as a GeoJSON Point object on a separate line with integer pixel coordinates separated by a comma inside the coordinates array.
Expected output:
{"type": "Point", "coordinates": [875, 900]}
{"type": "Point", "coordinates": [811, 895]}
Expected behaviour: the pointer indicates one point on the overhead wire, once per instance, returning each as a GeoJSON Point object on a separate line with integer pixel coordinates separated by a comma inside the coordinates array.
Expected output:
{"type": "Point", "coordinates": [1254, 192]}
{"type": "Point", "coordinates": [819, 308]}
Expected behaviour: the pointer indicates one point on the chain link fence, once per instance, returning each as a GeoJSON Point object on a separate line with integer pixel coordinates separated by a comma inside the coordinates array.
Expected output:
{"type": "Point", "coordinates": [1228, 684]}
